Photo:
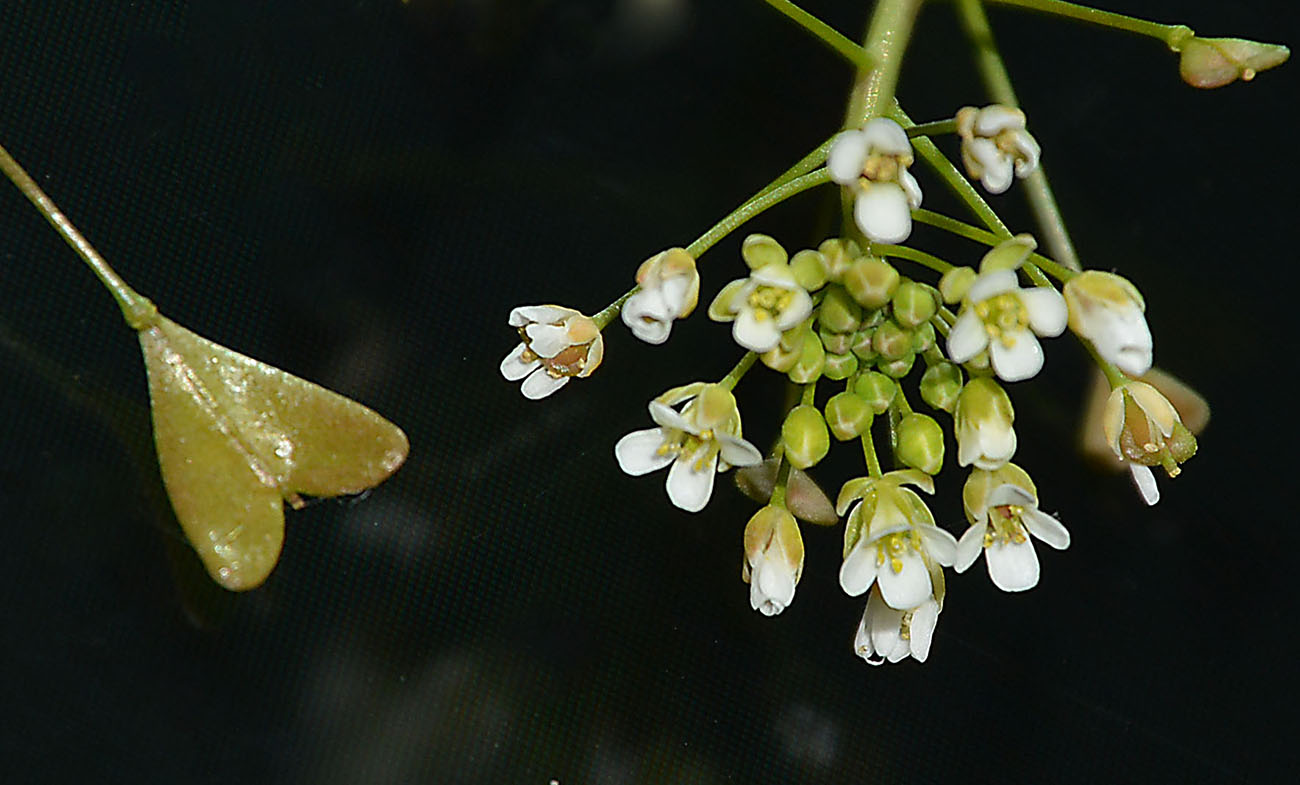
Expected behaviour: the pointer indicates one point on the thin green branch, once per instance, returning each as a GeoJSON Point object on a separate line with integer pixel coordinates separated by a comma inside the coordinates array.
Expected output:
{"type": "Point", "coordinates": [823, 32]}
{"type": "Point", "coordinates": [1172, 36]}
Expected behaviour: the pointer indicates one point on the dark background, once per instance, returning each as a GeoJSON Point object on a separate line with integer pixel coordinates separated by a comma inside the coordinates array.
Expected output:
{"type": "Point", "coordinates": [359, 192]}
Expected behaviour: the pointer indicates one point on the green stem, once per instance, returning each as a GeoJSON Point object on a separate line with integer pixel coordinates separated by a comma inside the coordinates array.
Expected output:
{"type": "Point", "coordinates": [738, 372]}
{"type": "Point", "coordinates": [824, 32]}
{"type": "Point", "coordinates": [912, 254]}
{"type": "Point", "coordinates": [1114, 376]}
{"type": "Point", "coordinates": [809, 395]}
{"type": "Point", "coordinates": [933, 128]}
{"type": "Point", "coordinates": [139, 313]}
{"type": "Point", "coordinates": [940, 326]}
{"type": "Point", "coordinates": [887, 36]}
{"type": "Point", "coordinates": [997, 80]}
{"type": "Point", "coordinates": [1172, 36]}
{"type": "Point", "coordinates": [782, 479]}
{"type": "Point", "coordinates": [869, 453]}
{"type": "Point", "coordinates": [940, 221]}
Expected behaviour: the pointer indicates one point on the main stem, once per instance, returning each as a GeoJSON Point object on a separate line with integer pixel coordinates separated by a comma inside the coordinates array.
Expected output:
{"type": "Point", "coordinates": [136, 309]}
{"type": "Point", "coordinates": [887, 36]}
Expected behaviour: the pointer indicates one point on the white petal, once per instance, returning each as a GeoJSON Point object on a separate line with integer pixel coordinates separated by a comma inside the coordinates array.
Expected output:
{"type": "Point", "coordinates": [1019, 361]}
{"type": "Point", "coordinates": [883, 214]}
{"type": "Point", "coordinates": [673, 292]}
{"type": "Point", "coordinates": [969, 547]}
{"type": "Point", "coordinates": [690, 489]}
{"type": "Point", "coordinates": [1028, 154]}
{"type": "Point", "coordinates": [651, 331]}
{"type": "Point", "coordinates": [924, 620]}
{"type": "Point", "coordinates": [998, 174]}
{"type": "Point", "coordinates": [668, 417]}
{"type": "Point", "coordinates": [544, 314]}
{"type": "Point", "coordinates": [862, 643]}
{"type": "Point", "coordinates": [541, 384]}
{"type": "Point", "coordinates": [771, 587]}
{"type": "Point", "coordinates": [884, 626]}
{"type": "Point", "coordinates": [907, 588]}
{"type": "Point", "coordinates": [548, 340]}
{"type": "Point", "coordinates": [638, 452]}
{"type": "Point", "coordinates": [738, 452]}
{"type": "Point", "coordinates": [911, 188]}
{"type": "Point", "coordinates": [514, 368]}
{"type": "Point", "coordinates": [1047, 311]}
{"type": "Point", "coordinates": [1010, 494]}
{"type": "Point", "coordinates": [859, 569]}
{"type": "Point", "coordinates": [886, 136]}
{"type": "Point", "coordinates": [996, 118]}
{"type": "Point", "coordinates": [755, 334]}
{"type": "Point", "coordinates": [1124, 339]}
{"type": "Point", "coordinates": [1012, 566]}
{"type": "Point", "coordinates": [967, 337]}
{"type": "Point", "coordinates": [991, 284]}
{"type": "Point", "coordinates": [941, 545]}
{"type": "Point", "coordinates": [1145, 481]}
{"type": "Point", "coordinates": [845, 156]}
{"type": "Point", "coordinates": [1046, 528]}
{"type": "Point", "coordinates": [800, 306]}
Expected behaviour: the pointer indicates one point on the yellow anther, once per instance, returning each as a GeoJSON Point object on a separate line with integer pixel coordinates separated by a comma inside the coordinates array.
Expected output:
{"type": "Point", "coordinates": [905, 628]}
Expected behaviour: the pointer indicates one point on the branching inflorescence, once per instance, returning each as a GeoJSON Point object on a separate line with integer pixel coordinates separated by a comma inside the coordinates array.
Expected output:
{"type": "Point", "coordinates": [888, 326]}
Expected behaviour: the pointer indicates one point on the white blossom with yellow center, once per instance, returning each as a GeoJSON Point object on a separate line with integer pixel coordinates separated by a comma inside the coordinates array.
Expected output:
{"type": "Point", "coordinates": [872, 161]}
{"type": "Point", "coordinates": [700, 440]}
{"type": "Point", "coordinates": [556, 345]}
{"type": "Point", "coordinates": [995, 145]}
{"type": "Point", "coordinates": [762, 306]}
{"type": "Point", "coordinates": [1002, 507]}
{"type": "Point", "coordinates": [1000, 316]}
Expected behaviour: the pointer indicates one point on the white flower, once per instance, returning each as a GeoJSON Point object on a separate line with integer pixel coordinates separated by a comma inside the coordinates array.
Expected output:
{"type": "Point", "coordinates": [873, 162]}
{"type": "Point", "coordinates": [994, 143]}
{"type": "Point", "coordinates": [1000, 316]}
{"type": "Point", "coordinates": [701, 439]}
{"type": "Point", "coordinates": [887, 633]}
{"type": "Point", "coordinates": [773, 559]}
{"type": "Point", "coordinates": [762, 306]}
{"type": "Point", "coordinates": [891, 540]}
{"type": "Point", "coordinates": [669, 289]}
{"type": "Point", "coordinates": [1108, 311]}
{"type": "Point", "coordinates": [1002, 507]}
{"type": "Point", "coordinates": [982, 421]}
{"type": "Point", "coordinates": [1144, 430]}
{"type": "Point", "coordinates": [557, 344]}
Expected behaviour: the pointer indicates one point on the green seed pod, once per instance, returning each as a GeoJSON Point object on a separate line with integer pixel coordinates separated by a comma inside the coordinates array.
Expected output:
{"type": "Point", "coordinates": [920, 443]}
{"type": "Point", "coordinates": [812, 358]}
{"type": "Point", "coordinates": [897, 368]}
{"type": "Point", "coordinates": [838, 313]}
{"type": "Point", "coordinates": [913, 304]}
{"type": "Point", "coordinates": [871, 281]}
{"type": "Point", "coordinates": [941, 385]}
{"type": "Point", "coordinates": [923, 338]}
{"type": "Point", "coordinates": [759, 250]}
{"type": "Point", "coordinates": [847, 415]}
{"type": "Point", "coordinates": [891, 341]}
{"type": "Point", "coordinates": [840, 366]}
{"type": "Point", "coordinates": [836, 343]}
{"type": "Point", "coordinates": [804, 436]}
{"type": "Point", "coordinates": [876, 389]}
{"type": "Point", "coordinates": [809, 268]}
{"type": "Point", "coordinates": [955, 283]}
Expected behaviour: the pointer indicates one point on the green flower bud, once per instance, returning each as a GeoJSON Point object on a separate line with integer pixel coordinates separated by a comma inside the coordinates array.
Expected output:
{"type": "Point", "coordinates": [876, 389]}
{"type": "Point", "coordinates": [840, 366]}
{"type": "Point", "coordinates": [759, 250]}
{"type": "Point", "coordinates": [862, 345]}
{"type": "Point", "coordinates": [812, 358]}
{"type": "Point", "coordinates": [804, 436]}
{"type": "Point", "coordinates": [920, 443]}
{"type": "Point", "coordinates": [941, 385]}
{"type": "Point", "coordinates": [847, 415]}
{"type": "Point", "coordinates": [838, 313]}
{"type": "Point", "coordinates": [897, 368]}
{"type": "Point", "coordinates": [839, 254]}
{"type": "Point", "coordinates": [809, 268]}
{"type": "Point", "coordinates": [891, 341]}
{"type": "Point", "coordinates": [836, 343]}
{"type": "Point", "coordinates": [913, 304]}
{"type": "Point", "coordinates": [955, 283]}
{"type": "Point", "coordinates": [871, 281]}
{"type": "Point", "coordinates": [923, 338]}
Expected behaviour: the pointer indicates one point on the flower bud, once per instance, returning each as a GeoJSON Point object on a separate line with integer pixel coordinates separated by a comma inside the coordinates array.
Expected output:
{"type": "Point", "coordinates": [847, 415]}
{"type": "Point", "coordinates": [1214, 62]}
{"type": "Point", "coordinates": [812, 358]}
{"type": "Point", "coordinates": [839, 255]}
{"type": "Point", "coordinates": [759, 251]}
{"type": "Point", "coordinates": [1107, 311]}
{"type": "Point", "coordinates": [955, 283]}
{"type": "Point", "coordinates": [804, 436]}
{"type": "Point", "coordinates": [810, 269]}
{"type": "Point", "coordinates": [773, 559]}
{"type": "Point", "coordinates": [897, 368]}
{"type": "Point", "coordinates": [876, 389]}
{"type": "Point", "coordinates": [840, 366]}
{"type": "Point", "coordinates": [836, 343]}
{"type": "Point", "coordinates": [913, 304]}
{"type": "Point", "coordinates": [838, 313]}
{"type": "Point", "coordinates": [983, 423]}
{"type": "Point", "coordinates": [871, 281]}
{"type": "Point", "coordinates": [862, 345]}
{"type": "Point", "coordinates": [922, 338]}
{"type": "Point", "coordinates": [920, 443]}
{"type": "Point", "coordinates": [941, 385]}
{"type": "Point", "coordinates": [891, 341]}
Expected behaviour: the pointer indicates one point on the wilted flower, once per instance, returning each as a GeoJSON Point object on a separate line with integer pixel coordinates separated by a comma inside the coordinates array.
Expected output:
{"type": "Point", "coordinates": [889, 634]}
{"type": "Point", "coordinates": [1002, 507]}
{"type": "Point", "coordinates": [670, 288]}
{"type": "Point", "coordinates": [1215, 62]}
{"type": "Point", "coordinates": [994, 143]}
{"type": "Point", "coordinates": [701, 439]}
{"type": "Point", "coordinates": [1108, 311]}
{"type": "Point", "coordinates": [773, 559]}
{"type": "Point", "coordinates": [762, 306]}
{"type": "Point", "coordinates": [556, 345]}
{"type": "Point", "coordinates": [1144, 430]}
{"type": "Point", "coordinates": [873, 162]}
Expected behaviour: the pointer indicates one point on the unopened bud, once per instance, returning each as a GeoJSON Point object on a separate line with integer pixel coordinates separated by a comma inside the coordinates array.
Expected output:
{"type": "Point", "coordinates": [891, 341]}
{"type": "Point", "coordinates": [836, 343]}
{"type": "Point", "coordinates": [812, 358]}
{"type": "Point", "coordinates": [913, 304]}
{"type": "Point", "coordinates": [871, 281]}
{"type": "Point", "coordinates": [839, 255]}
{"type": "Point", "coordinates": [897, 368]}
{"type": "Point", "coordinates": [941, 385]}
{"type": "Point", "coordinates": [847, 415]}
{"type": "Point", "coordinates": [804, 436]}
{"type": "Point", "coordinates": [876, 389]}
{"type": "Point", "coordinates": [838, 313]}
{"type": "Point", "coordinates": [862, 344]}
{"type": "Point", "coordinates": [923, 338]}
{"type": "Point", "coordinates": [840, 366]}
{"type": "Point", "coordinates": [920, 443]}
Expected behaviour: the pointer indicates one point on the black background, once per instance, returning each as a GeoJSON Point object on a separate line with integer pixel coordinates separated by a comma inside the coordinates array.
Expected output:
{"type": "Point", "coordinates": [359, 192]}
